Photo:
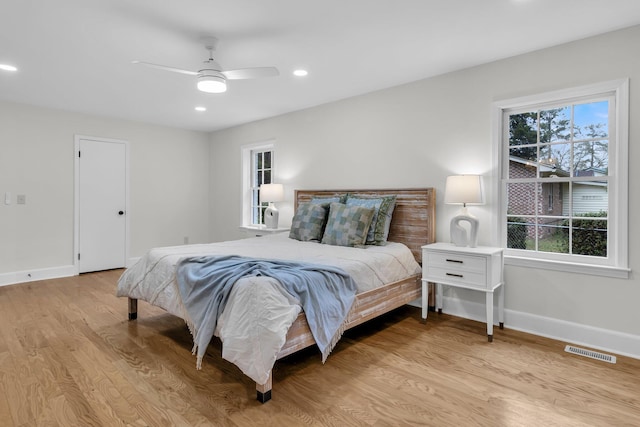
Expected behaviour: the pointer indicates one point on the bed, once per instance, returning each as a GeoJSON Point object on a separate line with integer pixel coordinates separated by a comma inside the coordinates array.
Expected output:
{"type": "Point", "coordinates": [380, 289]}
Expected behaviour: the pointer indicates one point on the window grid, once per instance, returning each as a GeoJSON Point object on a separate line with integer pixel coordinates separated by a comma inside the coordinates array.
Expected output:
{"type": "Point", "coordinates": [538, 224]}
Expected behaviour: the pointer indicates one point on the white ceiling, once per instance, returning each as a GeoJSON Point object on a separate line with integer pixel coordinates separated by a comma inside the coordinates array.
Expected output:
{"type": "Point", "coordinates": [76, 54]}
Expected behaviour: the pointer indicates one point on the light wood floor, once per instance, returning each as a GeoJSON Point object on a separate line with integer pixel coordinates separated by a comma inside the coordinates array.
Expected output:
{"type": "Point", "coordinates": [69, 357]}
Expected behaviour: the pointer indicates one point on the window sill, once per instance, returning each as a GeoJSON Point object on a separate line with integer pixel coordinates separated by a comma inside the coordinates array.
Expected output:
{"type": "Point", "coordinates": [261, 230]}
{"type": "Point", "coordinates": [569, 267]}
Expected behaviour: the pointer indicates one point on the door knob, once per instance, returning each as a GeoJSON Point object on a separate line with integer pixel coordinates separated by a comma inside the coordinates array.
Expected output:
{"type": "Point", "coordinates": [120, 212]}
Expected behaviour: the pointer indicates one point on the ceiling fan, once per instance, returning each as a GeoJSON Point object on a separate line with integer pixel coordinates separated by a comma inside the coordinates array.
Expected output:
{"type": "Point", "coordinates": [212, 78]}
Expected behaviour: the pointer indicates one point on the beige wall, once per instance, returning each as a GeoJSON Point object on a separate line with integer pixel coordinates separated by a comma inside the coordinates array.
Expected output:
{"type": "Point", "coordinates": [169, 184]}
{"type": "Point", "coordinates": [416, 134]}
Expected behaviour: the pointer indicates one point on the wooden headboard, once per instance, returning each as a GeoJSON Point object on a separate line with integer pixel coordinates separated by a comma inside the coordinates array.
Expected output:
{"type": "Point", "coordinates": [414, 217]}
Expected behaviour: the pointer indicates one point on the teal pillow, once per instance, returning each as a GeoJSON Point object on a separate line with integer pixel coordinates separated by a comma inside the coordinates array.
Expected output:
{"type": "Point", "coordinates": [329, 199]}
{"type": "Point", "coordinates": [308, 222]}
{"type": "Point", "coordinates": [347, 225]}
{"type": "Point", "coordinates": [383, 206]}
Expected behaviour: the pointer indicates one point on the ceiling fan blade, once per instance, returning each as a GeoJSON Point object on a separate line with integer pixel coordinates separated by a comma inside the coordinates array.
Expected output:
{"type": "Point", "coordinates": [251, 73]}
{"type": "Point", "coordinates": [165, 68]}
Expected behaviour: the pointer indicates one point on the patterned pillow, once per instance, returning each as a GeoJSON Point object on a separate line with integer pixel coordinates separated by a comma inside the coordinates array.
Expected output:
{"type": "Point", "coordinates": [308, 222]}
{"type": "Point", "coordinates": [347, 225]}
{"type": "Point", "coordinates": [383, 206]}
{"type": "Point", "coordinates": [330, 199]}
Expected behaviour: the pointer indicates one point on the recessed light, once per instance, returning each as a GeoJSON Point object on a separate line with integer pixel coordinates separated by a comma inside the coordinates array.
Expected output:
{"type": "Point", "coordinates": [201, 109]}
{"type": "Point", "coordinates": [300, 72]}
{"type": "Point", "coordinates": [7, 67]}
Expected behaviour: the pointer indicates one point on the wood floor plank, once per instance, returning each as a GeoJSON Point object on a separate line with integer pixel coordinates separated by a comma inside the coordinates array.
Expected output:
{"type": "Point", "coordinates": [69, 356]}
{"type": "Point", "coordinates": [91, 376]}
{"type": "Point", "coordinates": [62, 412]}
{"type": "Point", "coordinates": [5, 409]}
{"type": "Point", "coordinates": [64, 365]}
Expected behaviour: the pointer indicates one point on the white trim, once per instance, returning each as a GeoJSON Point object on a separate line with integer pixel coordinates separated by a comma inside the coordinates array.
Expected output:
{"type": "Point", "coordinates": [37, 274]}
{"type": "Point", "coordinates": [596, 338]}
{"type": "Point", "coordinates": [569, 267]}
{"type": "Point", "coordinates": [76, 195]}
{"type": "Point", "coordinates": [575, 92]}
{"type": "Point", "coordinates": [618, 261]}
{"type": "Point", "coordinates": [25, 276]}
{"type": "Point", "coordinates": [622, 181]}
{"type": "Point", "coordinates": [496, 137]}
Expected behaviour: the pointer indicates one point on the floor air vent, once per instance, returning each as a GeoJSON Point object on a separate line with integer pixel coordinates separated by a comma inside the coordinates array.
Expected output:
{"type": "Point", "coordinates": [590, 353]}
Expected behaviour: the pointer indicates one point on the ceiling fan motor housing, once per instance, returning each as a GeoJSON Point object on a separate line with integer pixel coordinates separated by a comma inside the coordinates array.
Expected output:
{"type": "Point", "coordinates": [211, 81]}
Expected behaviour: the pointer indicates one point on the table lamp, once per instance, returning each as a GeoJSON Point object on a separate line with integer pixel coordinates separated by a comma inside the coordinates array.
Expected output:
{"type": "Point", "coordinates": [270, 193]}
{"type": "Point", "coordinates": [463, 190]}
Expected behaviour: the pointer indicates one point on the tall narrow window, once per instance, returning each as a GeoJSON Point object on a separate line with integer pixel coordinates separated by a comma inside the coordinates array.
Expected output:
{"type": "Point", "coordinates": [563, 174]}
{"type": "Point", "coordinates": [258, 169]}
{"type": "Point", "coordinates": [262, 167]}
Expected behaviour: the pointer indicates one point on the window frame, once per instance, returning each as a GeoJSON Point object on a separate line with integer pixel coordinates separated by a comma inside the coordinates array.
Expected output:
{"type": "Point", "coordinates": [616, 262]}
{"type": "Point", "coordinates": [248, 174]}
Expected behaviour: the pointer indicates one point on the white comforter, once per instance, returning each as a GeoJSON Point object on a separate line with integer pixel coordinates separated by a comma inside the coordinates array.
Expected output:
{"type": "Point", "coordinates": [255, 321]}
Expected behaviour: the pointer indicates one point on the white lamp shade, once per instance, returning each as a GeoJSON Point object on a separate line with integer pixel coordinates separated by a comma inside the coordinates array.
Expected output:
{"type": "Point", "coordinates": [271, 193]}
{"type": "Point", "coordinates": [212, 84]}
{"type": "Point", "coordinates": [463, 190]}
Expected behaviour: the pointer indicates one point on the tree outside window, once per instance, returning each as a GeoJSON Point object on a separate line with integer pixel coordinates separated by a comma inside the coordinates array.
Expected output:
{"type": "Point", "coordinates": [557, 178]}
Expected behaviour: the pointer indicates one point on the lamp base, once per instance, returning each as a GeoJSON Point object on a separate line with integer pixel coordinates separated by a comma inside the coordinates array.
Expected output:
{"type": "Point", "coordinates": [459, 235]}
{"type": "Point", "coordinates": [271, 215]}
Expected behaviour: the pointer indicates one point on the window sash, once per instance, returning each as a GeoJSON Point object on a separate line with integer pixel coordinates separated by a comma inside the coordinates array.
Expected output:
{"type": "Point", "coordinates": [261, 173]}
{"type": "Point", "coordinates": [616, 93]}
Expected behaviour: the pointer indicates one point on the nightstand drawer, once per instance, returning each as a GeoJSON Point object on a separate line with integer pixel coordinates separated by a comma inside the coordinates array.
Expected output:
{"type": "Point", "coordinates": [458, 262]}
{"type": "Point", "coordinates": [471, 279]}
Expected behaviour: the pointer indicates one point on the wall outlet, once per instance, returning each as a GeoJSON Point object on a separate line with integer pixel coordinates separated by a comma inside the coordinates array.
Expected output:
{"type": "Point", "coordinates": [22, 199]}
{"type": "Point", "coordinates": [186, 240]}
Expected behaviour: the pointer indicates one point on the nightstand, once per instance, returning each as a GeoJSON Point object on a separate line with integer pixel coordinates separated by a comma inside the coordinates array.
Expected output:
{"type": "Point", "coordinates": [479, 269]}
{"type": "Point", "coordinates": [258, 231]}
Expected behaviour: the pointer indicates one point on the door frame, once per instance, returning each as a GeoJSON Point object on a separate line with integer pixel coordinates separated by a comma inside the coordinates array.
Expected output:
{"type": "Point", "coordinates": [76, 196]}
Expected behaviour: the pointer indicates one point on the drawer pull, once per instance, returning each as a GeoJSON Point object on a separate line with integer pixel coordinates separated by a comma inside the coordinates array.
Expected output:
{"type": "Point", "coordinates": [455, 275]}
{"type": "Point", "coordinates": [455, 260]}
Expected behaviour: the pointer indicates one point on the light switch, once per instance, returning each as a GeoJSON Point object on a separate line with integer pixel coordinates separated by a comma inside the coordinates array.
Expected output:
{"type": "Point", "coordinates": [7, 198]}
{"type": "Point", "coordinates": [22, 199]}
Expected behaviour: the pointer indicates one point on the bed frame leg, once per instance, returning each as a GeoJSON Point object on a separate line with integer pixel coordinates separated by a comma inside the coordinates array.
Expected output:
{"type": "Point", "coordinates": [263, 391]}
{"type": "Point", "coordinates": [133, 309]}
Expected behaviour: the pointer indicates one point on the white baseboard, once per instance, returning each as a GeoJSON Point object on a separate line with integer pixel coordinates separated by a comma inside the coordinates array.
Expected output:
{"type": "Point", "coordinates": [44, 273]}
{"type": "Point", "coordinates": [596, 338]}
{"type": "Point", "coordinates": [37, 274]}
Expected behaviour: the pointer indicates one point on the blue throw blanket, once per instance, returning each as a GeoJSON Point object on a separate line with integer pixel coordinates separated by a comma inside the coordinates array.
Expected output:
{"type": "Point", "coordinates": [326, 294]}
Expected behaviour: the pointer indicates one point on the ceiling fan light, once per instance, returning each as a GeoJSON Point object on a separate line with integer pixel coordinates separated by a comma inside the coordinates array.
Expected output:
{"type": "Point", "coordinates": [212, 84]}
{"type": "Point", "coordinates": [7, 67]}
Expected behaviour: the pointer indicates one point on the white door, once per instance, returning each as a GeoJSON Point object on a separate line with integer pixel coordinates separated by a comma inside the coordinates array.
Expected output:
{"type": "Point", "coordinates": [102, 190]}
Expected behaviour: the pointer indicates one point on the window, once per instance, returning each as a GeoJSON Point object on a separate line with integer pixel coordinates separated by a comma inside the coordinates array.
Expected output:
{"type": "Point", "coordinates": [563, 169]}
{"type": "Point", "coordinates": [258, 161]}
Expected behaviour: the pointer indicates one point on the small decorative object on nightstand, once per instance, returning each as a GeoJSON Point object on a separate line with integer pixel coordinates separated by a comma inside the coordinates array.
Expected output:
{"type": "Point", "coordinates": [479, 269]}
{"type": "Point", "coordinates": [271, 193]}
{"type": "Point", "coordinates": [261, 230]}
